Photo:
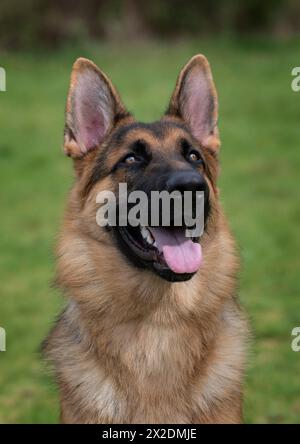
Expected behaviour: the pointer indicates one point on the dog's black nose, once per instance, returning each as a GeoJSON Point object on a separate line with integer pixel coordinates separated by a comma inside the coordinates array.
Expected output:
{"type": "Point", "coordinates": [185, 181]}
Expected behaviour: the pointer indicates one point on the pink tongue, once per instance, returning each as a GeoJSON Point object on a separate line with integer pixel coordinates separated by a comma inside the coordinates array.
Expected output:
{"type": "Point", "coordinates": [181, 254]}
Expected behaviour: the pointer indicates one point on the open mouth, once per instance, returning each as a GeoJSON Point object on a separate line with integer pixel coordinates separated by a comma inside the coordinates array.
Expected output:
{"type": "Point", "coordinates": [167, 250]}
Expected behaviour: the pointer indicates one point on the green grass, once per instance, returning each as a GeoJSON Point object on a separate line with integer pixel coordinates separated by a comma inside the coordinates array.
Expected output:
{"type": "Point", "coordinates": [259, 123]}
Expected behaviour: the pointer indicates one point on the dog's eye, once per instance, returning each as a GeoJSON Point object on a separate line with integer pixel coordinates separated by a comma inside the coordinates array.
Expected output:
{"type": "Point", "coordinates": [194, 157]}
{"type": "Point", "coordinates": [130, 159]}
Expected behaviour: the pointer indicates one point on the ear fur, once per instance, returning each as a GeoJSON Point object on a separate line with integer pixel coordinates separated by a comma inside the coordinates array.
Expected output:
{"type": "Point", "coordinates": [93, 108]}
{"type": "Point", "coordinates": [195, 101]}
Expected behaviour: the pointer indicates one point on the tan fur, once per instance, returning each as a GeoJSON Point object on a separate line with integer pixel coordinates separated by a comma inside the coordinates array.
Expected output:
{"type": "Point", "coordinates": [133, 348]}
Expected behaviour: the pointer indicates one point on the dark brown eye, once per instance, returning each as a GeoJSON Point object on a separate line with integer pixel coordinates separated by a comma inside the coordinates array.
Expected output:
{"type": "Point", "coordinates": [194, 157]}
{"type": "Point", "coordinates": [130, 159]}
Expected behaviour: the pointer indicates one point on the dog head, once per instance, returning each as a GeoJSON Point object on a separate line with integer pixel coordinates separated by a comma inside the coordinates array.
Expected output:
{"type": "Point", "coordinates": [177, 153]}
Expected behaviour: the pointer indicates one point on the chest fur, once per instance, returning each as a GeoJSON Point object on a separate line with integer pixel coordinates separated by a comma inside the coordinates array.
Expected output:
{"type": "Point", "coordinates": [152, 373]}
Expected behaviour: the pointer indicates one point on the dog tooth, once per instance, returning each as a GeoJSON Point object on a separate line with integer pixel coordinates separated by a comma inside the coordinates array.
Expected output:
{"type": "Point", "coordinates": [144, 232]}
{"type": "Point", "coordinates": [150, 239]}
{"type": "Point", "coordinates": [147, 236]}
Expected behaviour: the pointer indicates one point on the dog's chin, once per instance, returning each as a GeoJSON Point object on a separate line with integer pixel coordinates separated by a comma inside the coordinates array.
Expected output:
{"type": "Point", "coordinates": [141, 250]}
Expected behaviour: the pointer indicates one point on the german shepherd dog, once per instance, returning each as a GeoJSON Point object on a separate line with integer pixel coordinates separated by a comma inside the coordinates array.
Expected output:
{"type": "Point", "coordinates": [152, 331]}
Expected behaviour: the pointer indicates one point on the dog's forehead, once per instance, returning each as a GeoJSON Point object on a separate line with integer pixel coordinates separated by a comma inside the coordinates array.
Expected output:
{"type": "Point", "coordinates": [160, 131]}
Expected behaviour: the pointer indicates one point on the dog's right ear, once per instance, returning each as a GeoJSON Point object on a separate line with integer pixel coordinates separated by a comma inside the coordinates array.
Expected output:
{"type": "Point", "coordinates": [93, 108]}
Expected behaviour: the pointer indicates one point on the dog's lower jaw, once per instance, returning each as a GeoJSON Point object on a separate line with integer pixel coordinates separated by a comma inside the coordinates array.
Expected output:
{"type": "Point", "coordinates": [147, 261]}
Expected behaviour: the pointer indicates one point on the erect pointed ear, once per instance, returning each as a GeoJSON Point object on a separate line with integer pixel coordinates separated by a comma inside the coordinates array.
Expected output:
{"type": "Point", "coordinates": [195, 101]}
{"type": "Point", "coordinates": [93, 108]}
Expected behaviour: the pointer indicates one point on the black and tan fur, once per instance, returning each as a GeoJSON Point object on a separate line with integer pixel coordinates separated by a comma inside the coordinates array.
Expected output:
{"type": "Point", "coordinates": [131, 347]}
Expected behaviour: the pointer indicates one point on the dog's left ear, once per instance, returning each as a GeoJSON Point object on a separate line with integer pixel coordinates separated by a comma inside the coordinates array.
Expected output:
{"type": "Point", "coordinates": [93, 108]}
{"type": "Point", "coordinates": [195, 101]}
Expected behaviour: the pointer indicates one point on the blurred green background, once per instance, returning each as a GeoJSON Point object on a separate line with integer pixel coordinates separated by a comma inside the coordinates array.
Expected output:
{"type": "Point", "coordinates": [252, 47]}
